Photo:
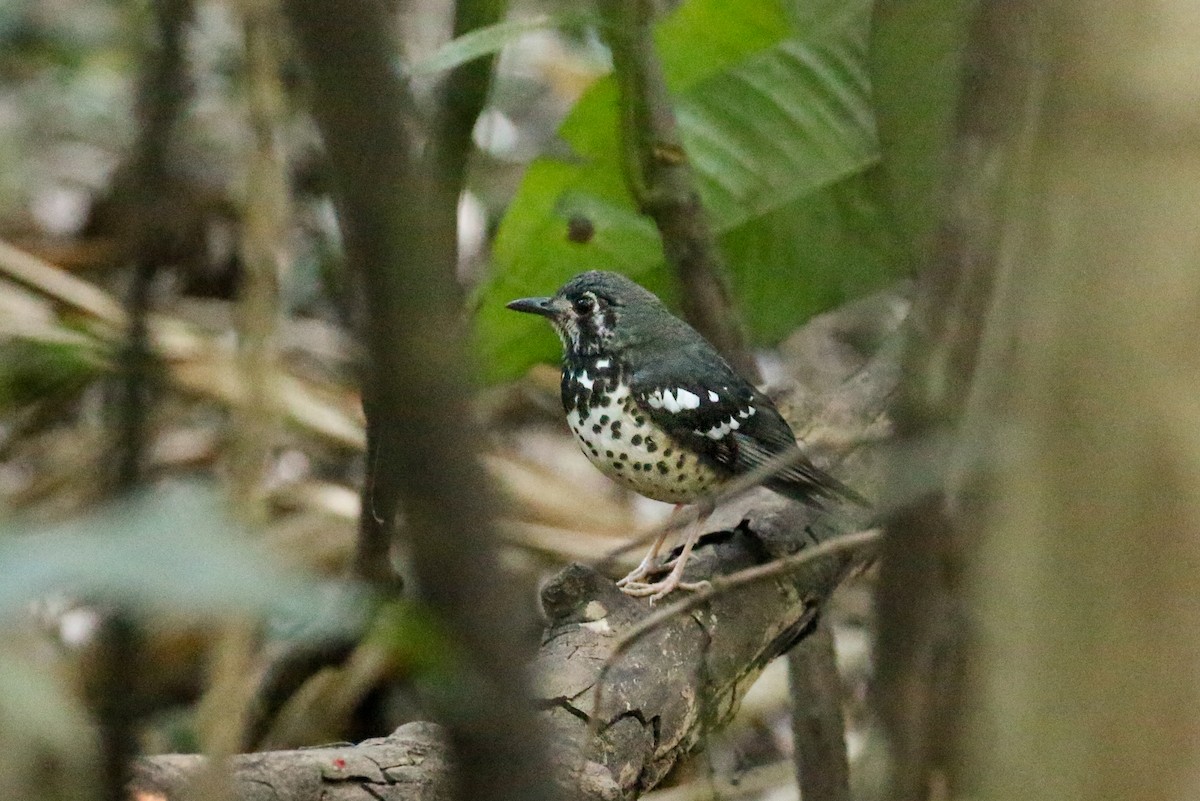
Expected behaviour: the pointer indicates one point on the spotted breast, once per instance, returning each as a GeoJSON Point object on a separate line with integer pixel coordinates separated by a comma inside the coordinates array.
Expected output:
{"type": "Point", "coordinates": [621, 439]}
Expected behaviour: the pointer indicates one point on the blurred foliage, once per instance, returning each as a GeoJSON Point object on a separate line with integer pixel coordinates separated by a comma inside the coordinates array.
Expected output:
{"type": "Point", "coordinates": [176, 550]}
{"type": "Point", "coordinates": [916, 95]}
{"type": "Point", "coordinates": [33, 371]}
{"type": "Point", "coordinates": [775, 111]}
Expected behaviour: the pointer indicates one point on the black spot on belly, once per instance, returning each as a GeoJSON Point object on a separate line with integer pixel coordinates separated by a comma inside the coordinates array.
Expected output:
{"type": "Point", "coordinates": [609, 454]}
{"type": "Point", "coordinates": [618, 466]}
{"type": "Point", "coordinates": [624, 456]}
{"type": "Point", "coordinates": [679, 462]}
{"type": "Point", "coordinates": [680, 479]}
{"type": "Point", "coordinates": [604, 418]}
{"type": "Point", "coordinates": [595, 452]}
{"type": "Point", "coordinates": [637, 439]}
{"type": "Point", "coordinates": [651, 445]}
{"type": "Point", "coordinates": [667, 453]}
{"type": "Point", "coordinates": [596, 429]}
{"type": "Point", "coordinates": [662, 467]}
{"type": "Point", "coordinates": [641, 421]}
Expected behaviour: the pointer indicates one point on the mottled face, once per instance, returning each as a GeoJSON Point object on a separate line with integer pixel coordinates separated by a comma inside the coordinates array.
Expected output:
{"type": "Point", "coordinates": [585, 319]}
{"type": "Point", "coordinates": [587, 323]}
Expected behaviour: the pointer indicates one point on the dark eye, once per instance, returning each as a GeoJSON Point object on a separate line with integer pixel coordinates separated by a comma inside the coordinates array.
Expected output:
{"type": "Point", "coordinates": [585, 304]}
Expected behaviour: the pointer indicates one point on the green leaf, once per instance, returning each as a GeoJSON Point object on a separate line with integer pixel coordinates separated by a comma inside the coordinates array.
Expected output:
{"type": "Point", "coordinates": [856, 236]}
{"type": "Point", "coordinates": [32, 370]}
{"type": "Point", "coordinates": [774, 108]}
{"type": "Point", "coordinates": [174, 551]}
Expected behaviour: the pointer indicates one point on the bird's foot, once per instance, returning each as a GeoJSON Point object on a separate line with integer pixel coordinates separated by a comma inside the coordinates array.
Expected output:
{"type": "Point", "coordinates": [657, 590]}
{"type": "Point", "coordinates": [648, 567]}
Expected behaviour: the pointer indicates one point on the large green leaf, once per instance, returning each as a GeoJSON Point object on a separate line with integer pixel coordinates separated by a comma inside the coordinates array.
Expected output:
{"type": "Point", "coordinates": [839, 242]}
{"type": "Point", "coordinates": [775, 113]}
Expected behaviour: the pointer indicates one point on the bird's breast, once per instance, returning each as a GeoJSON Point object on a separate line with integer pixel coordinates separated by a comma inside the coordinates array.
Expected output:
{"type": "Point", "coordinates": [626, 445]}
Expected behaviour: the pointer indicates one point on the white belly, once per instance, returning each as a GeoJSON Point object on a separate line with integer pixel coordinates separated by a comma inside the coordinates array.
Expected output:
{"type": "Point", "coordinates": [637, 454]}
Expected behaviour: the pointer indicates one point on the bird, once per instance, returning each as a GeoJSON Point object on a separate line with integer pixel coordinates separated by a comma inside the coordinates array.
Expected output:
{"type": "Point", "coordinates": [656, 408]}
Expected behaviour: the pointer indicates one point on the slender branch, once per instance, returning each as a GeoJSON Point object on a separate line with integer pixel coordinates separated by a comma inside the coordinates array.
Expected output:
{"type": "Point", "coordinates": [226, 712]}
{"type": "Point", "coordinates": [160, 100]}
{"type": "Point", "coordinates": [398, 220]}
{"type": "Point", "coordinates": [161, 95]}
{"type": "Point", "coordinates": [464, 92]}
{"type": "Point", "coordinates": [818, 727]}
{"type": "Point", "coordinates": [660, 179]}
{"type": "Point", "coordinates": [463, 95]}
{"type": "Point", "coordinates": [266, 217]}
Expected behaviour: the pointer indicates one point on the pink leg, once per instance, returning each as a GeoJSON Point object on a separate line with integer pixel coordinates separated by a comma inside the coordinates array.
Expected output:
{"type": "Point", "coordinates": [658, 589]}
{"type": "Point", "coordinates": [649, 562]}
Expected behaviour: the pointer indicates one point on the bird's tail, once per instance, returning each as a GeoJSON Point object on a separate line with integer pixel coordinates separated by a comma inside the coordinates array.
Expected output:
{"type": "Point", "coordinates": [808, 483]}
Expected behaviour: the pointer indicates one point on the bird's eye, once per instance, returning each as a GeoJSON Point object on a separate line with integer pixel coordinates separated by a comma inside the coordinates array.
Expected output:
{"type": "Point", "coordinates": [585, 304]}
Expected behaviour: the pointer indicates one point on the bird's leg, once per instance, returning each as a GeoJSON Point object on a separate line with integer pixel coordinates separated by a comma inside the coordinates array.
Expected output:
{"type": "Point", "coordinates": [649, 564]}
{"type": "Point", "coordinates": [674, 580]}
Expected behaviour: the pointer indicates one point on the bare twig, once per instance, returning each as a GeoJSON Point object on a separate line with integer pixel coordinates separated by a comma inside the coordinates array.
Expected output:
{"type": "Point", "coordinates": [657, 171]}
{"type": "Point", "coordinates": [160, 100]}
{"type": "Point", "coordinates": [226, 711]}
{"type": "Point", "coordinates": [161, 96]}
{"type": "Point", "coordinates": [263, 254]}
{"type": "Point", "coordinates": [464, 93]}
{"type": "Point", "coordinates": [818, 726]}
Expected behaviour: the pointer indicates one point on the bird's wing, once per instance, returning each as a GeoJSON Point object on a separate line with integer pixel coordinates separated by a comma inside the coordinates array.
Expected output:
{"type": "Point", "coordinates": [716, 412]}
{"type": "Point", "coordinates": [703, 403]}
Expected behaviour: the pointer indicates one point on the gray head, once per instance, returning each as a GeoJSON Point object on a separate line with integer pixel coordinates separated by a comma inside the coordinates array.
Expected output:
{"type": "Point", "coordinates": [599, 311]}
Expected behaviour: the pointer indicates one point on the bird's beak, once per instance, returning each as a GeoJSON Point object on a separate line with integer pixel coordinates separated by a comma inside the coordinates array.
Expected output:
{"type": "Point", "coordinates": [543, 306]}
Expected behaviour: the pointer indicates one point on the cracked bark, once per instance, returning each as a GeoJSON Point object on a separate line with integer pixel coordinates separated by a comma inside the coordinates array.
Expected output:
{"type": "Point", "coordinates": [678, 683]}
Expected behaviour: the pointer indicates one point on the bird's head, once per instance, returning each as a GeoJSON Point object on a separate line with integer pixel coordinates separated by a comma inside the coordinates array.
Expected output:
{"type": "Point", "coordinates": [598, 312]}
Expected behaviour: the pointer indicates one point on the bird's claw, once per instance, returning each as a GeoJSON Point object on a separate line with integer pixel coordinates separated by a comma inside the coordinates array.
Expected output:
{"type": "Point", "coordinates": [648, 567]}
{"type": "Point", "coordinates": [660, 589]}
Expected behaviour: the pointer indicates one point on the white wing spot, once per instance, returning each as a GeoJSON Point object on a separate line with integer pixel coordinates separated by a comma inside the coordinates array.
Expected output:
{"type": "Point", "coordinates": [714, 397]}
{"type": "Point", "coordinates": [655, 400]}
{"type": "Point", "coordinates": [746, 413]}
{"type": "Point", "coordinates": [585, 380]}
{"type": "Point", "coordinates": [602, 363]}
{"type": "Point", "coordinates": [719, 431]}
{"type": "Point", "coordinates": [669, 402]}
{"type": "Point", "coordinates": [687, 400]}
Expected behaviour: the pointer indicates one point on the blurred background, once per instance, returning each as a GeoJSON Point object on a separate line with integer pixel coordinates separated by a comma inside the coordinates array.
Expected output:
{"type": "Point", "coordinates": [182, 437]}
